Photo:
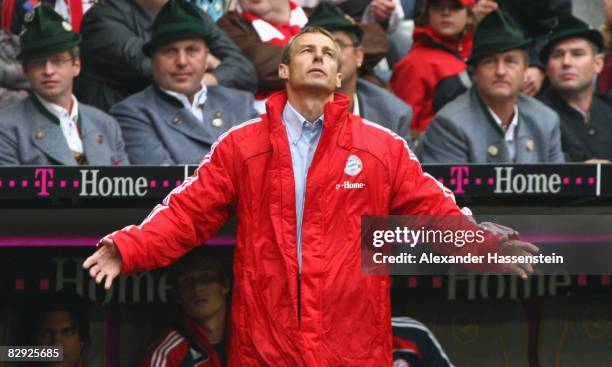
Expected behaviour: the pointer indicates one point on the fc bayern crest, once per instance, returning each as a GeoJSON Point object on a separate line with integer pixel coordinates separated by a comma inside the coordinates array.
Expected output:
{"type": "Point", "coordinates": [353, 165]}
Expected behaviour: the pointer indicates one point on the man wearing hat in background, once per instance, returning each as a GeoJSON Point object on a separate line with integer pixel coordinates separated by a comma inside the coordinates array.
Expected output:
{"type": "Point", "coordinates": [178, 118]}
{"type": "Point", "coordinates": [51, 126]}
{"type": "Point", "coordinates": [493, 122]}
{"type": "Point", "coordinates": [573, 58]}
{"type": "Point", "coordinates": [367, 100]}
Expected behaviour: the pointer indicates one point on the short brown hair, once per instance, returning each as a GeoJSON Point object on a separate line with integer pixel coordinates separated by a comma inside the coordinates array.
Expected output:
{"type": "Point", "coordinates": [286, 56]}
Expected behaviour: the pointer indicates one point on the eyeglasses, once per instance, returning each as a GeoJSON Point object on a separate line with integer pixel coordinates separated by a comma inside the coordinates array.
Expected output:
{"type": "Point", "coordinates": [56, 61]}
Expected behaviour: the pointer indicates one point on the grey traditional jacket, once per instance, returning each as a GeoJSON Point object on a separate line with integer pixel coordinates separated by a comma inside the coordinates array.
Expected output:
{"type": "Point", "coordinates": [159, 130]}
{"type": "Point", "coordinates": [465, 132]}
{"type": "Point", "coordinates": [384, 108]}
{"type": "Point", "coordinates": [31, 135]}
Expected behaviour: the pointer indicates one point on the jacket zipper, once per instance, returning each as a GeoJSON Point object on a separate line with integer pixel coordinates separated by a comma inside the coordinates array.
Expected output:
{"type": "Point", "coordinates": [299, 300]}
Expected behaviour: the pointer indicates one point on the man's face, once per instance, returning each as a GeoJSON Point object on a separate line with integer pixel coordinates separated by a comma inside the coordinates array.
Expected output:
{"type": "Point", "coordinates": [314, 64]}
{"type": "Point", "coordinates": [57, 328]}
{"type": "Point", "coordinates": [572, 65]}
{"type": "Point", "coordinates": [500, 76]}
{"type": "Point", "coordinates": [350, 54]}
{"type": "Point", "coordinates": [180, 66]}
{"type": "Point", "coordinates": [51, 76]}
{"type": "Point", "coordinates": [201, 294]}
{"type": "Point", "coordinates": [447, 17]}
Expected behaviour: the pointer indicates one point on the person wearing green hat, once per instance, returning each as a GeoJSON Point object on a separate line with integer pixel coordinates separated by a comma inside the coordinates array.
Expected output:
{"type": "Point", "coordinates": [178, 118]}
{"type": "Point", "coordinates": [573, 57]}
{"type": "Point", "coordinates": [115, 66]}
{"type": "Point", "coordinates": [493, 122]}
{"type": "Point", "coordinates": [50, 126]}
{"type": "Point", "coordinates": [367, 100]}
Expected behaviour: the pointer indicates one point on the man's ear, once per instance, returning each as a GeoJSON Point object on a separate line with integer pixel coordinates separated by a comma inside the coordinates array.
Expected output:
{"type": "Point", "coordinates": [360, 54]}
{"type": "Point", "coordinates": [599, 63]}
{"type": "Point", "coordinates": [338, 80]}
{"type": "Point", "coordinates": [77, 67]}
{"type": "Point", "coordinates": [283, 72]}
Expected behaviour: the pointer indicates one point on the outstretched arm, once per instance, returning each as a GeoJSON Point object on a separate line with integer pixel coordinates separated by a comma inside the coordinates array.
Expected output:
{"type": "Point", "coordinates": [186, 218]}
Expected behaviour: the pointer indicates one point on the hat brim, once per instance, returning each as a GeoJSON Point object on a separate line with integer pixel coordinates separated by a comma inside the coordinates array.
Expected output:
{"type": "Point", "coordinates": [354, 29]}
{"type": "Point", "coordinates": [174, 33]}
{"type": "Point", "coordinates": [47, 47]}
{"type": "Point", "coordinates": [591, 35]}
{"type": "Point", "coordinates": [492, 49]}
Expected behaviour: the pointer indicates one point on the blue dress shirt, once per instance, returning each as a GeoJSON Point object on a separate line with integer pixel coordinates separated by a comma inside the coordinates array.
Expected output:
{"type": "Point", "coordinates": [303, 140]}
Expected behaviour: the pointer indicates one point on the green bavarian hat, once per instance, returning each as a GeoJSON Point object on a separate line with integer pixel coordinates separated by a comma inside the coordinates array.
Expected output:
{"type": "Point", "coordinates": [177, 20]}
{"type": "Point", "coordinates": [568, 26]}
{"type": "Point", "coordinates": [45, 32]}
{"type": "Point", "coordinates": [333, 19]}
{"type": "Point", "coordinates": [496, 33]}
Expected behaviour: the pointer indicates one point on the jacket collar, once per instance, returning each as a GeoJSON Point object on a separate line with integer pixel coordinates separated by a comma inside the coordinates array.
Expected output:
{"type": "Point", "coordinates": [197, 338]}
{"type": "Point", "coordinates": [335, 112]}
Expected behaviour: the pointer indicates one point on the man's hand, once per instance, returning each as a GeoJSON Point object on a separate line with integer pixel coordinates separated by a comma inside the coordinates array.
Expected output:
{"type": "Point", "coordinates": [518, 248]}
{"type": "Point", "coordinates": [533, 81]}
{"type": "Point", "coordinates": [381, 10]}
{"type": "Point", "coordinates": [483, 8]}
{"type": "Point", "coordinates": [104, 263]}
{"type": "Point", "coordinates": [212, 62]}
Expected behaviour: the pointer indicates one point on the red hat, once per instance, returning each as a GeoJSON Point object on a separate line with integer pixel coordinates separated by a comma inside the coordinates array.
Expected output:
{"type": "Point", "coordinates": [464, 3]}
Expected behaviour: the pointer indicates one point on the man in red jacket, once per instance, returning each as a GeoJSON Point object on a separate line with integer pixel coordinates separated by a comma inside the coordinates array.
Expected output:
{"type": "Point", "coordinates": [300, 297]}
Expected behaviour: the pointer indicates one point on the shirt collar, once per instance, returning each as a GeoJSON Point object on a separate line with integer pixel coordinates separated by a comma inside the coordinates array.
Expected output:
{"type": "Point", "coordinates": [509, 132]}
{"type": "Point", "coordinates": [198, 99]}
{"type": "Point", "coordinates": [585, 115]}
{"type": "Point", "coordinates": [356, 106]}
{"type": "Point", "coordinates": [295, 122]}
{"type": "Point", "coordinates": [59, 111]}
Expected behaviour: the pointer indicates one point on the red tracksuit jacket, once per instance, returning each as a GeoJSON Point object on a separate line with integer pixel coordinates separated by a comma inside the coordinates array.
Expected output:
{"type": "Point", "coordinates": [183, 346]}
{"type": "Point", "coordinates": [332, 315]}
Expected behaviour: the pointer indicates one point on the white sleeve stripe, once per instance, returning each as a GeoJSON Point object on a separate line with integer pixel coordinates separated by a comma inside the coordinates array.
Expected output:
{"type": "Point", "coordinates": [159, 350]}
{"type": "Point", "coordinates": [399, 321]}
{"type": "Point", "coordinates": [207, 159]}
{"type": "Point", "coordinates": [394, 135]}
{"type": "Point", "coordinates": [448, 193]}
{"type": "Point", "coordinates": [166, 202]}
{"type": "Point", "coordinates": [164, 357]}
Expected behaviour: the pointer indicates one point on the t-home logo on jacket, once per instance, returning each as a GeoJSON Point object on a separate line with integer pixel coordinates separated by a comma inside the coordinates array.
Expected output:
{"type": "Point", "coordinates": [347, 185]}
{"type": "Point", "coordinates": [353, 165]}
